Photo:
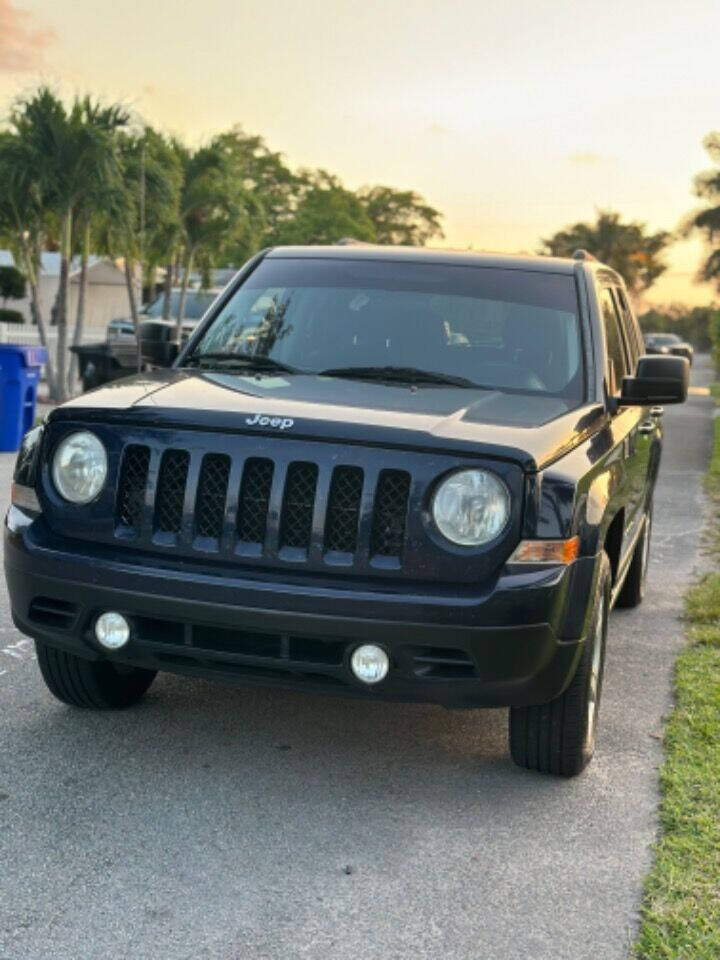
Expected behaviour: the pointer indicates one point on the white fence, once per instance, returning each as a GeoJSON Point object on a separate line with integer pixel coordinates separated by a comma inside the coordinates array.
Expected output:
{"type": "Point", "coordinates": [28, 336]}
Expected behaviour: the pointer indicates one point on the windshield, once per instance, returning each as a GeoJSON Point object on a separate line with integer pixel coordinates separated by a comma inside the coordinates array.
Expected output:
{"type": "Point", "coordinates": [196, 304]}
{"type": "Point", "coordinates": [504, 329]}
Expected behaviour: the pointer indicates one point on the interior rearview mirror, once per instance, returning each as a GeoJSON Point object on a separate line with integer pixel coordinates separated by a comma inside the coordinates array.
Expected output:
{"type": "Point", "coordinates": [658, 380]}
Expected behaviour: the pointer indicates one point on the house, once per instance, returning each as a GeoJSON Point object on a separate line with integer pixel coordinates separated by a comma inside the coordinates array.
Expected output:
{"type": "Point", "coordinates": [106, 295]}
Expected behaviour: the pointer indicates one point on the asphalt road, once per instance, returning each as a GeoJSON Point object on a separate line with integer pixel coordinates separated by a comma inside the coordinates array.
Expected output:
{"type": "Point", "coordinates": [212, 822]}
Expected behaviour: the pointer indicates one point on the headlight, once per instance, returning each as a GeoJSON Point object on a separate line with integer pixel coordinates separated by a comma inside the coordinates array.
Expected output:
{"type": "Point", "coordinates": [471, 507]}
{"type": "Point", "coordinates": [80, 467]}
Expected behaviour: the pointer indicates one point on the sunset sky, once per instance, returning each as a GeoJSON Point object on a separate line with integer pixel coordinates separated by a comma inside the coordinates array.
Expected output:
{"type": "Point", "coordinates": [513, 118]}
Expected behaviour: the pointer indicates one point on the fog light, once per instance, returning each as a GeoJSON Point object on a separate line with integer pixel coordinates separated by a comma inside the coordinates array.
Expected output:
{"type": "Point", "coordinates": [370, 663]}
{"type": "Point", "coordinates": [112, 630]}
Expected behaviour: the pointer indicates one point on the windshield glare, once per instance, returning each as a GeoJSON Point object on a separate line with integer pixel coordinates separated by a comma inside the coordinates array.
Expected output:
{"type": "Point", "coordinates": [196, 304]}
{"type": "Point", "coordinates": [513, 330]}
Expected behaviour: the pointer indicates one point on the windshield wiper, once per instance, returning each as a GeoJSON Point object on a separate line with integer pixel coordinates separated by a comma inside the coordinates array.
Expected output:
{"type": "Point", "coordinates": [399, 374]}
{"type": "Point", "coordinates": [246, 361]}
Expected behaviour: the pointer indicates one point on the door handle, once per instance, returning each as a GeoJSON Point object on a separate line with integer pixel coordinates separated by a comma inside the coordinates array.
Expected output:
{"type": "Point", "coordinates": [657, 411]}
{"type": "Point", "coordinates": [647, 426]}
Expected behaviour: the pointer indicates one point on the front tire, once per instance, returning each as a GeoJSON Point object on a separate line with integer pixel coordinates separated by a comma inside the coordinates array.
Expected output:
{"type": "Point", "coordinates": [559, 737]}
{"type": "Point", "coordinates": [94, 684]}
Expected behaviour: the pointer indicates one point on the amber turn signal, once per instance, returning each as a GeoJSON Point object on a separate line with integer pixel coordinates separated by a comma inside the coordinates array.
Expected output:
{"type": "Point", "coordinates": [546, 551]}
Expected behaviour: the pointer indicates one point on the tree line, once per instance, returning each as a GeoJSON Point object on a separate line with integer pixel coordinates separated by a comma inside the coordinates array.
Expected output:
{"type": "Point", "coordinates": [84, 178]}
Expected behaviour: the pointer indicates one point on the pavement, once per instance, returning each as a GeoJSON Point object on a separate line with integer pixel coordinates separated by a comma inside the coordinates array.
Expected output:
{"type": "Point", "coordinates": [216, 823]}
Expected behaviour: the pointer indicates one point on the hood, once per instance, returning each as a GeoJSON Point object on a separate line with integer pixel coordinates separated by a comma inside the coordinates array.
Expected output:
{"type": "Point", "coordinates": [530, 430]}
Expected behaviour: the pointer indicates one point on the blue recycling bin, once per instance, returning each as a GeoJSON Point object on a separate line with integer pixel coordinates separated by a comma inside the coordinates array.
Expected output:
{"type": "Point", "coordinates": [19, 377]}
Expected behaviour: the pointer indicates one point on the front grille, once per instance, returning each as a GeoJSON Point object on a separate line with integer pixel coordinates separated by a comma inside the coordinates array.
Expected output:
{"type": "Point", "coordinates": [211, 495]}
{"type": "Point", "coordinates": [131, 490]}
{"type": "Point", "coordinates": [391, 502]}
{"type": "Point", "coordinates": [170, 495]}
{"type": "Point", "coordinates": [256, 507]}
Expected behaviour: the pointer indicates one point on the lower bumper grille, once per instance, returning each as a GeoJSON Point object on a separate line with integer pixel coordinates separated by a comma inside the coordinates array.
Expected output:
{"type": "Point", "coordinates": [245, 643]}
{"type": "Point", "coordinates": [292, 651]}
{"type": "Point", "coordinates": [58, 614]}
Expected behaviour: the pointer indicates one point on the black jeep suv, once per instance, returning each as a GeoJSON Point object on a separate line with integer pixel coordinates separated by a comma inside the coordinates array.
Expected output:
{"type": "Point", "coordinates": [377, 471]}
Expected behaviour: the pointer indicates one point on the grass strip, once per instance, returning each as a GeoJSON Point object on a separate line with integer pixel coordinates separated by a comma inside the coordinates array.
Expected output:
{"type": "Point", "coordinates": [681, 908]}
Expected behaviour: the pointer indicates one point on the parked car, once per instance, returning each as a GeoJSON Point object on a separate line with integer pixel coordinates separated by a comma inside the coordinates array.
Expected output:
{"type": "Point", "coordinates": [390, 473]}
{"type": "Point", "coordinates": [668, 343]}
{"type": "Point", "coordinates": [197, 303]}
{"type": "Point", "coordinates": [117, 356]}
{"type": "Point", "coordinates": [120, 330]}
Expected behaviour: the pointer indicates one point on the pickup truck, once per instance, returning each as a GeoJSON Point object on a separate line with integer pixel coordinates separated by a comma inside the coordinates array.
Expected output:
{"type": "Point", "coordinates": [383, 472]}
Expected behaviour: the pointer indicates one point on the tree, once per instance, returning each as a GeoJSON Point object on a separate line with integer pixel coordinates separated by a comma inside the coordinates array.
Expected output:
{"type": "Point", "coordinates": [217, 212]}
{"type": "Point", "coordinates": [265, 175]}
{"type": "Point", "coordinates": [100, 197]}
{"type": "Point", "coordinates": [24, 225]}
{"type": "Point", "coordinates": [626, 247]}
{"type": "Point", "coordinates": [12, 284]}
{"type": "Point", "coordinates": [707, 220]}
{"type": "Point", "coordinates": [400, 216]}
{"type": "Point", "coordinates": [68, 154]}
{"type": "Point", "coordinates": [326, 213]}
{"type": "Point", "coordinates": [145, 225]}
{"type": "Point", "coordinates": [692, 324]}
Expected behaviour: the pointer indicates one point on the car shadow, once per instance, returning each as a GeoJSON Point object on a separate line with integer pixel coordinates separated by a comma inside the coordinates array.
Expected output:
{"type": "Point", "coordinates": [195, 741]}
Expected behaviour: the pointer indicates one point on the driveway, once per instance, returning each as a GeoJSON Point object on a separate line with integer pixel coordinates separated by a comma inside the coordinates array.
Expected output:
{"type": "Point", "coordinates": [213, 822]}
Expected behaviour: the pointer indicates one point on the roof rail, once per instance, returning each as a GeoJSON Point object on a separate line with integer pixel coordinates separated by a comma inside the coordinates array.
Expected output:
{"type": "Point", "coordinates": [583, 255]}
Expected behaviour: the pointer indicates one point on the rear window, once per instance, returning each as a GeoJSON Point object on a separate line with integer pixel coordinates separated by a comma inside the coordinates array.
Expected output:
{"type": "Point", "coordinates": [511, 330]}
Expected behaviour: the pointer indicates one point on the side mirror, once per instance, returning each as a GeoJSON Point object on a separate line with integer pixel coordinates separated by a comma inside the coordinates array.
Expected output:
{"type": "Point", "coordinates": [157, 342]}
{"type": "Point", "coordinates": [658, 380]}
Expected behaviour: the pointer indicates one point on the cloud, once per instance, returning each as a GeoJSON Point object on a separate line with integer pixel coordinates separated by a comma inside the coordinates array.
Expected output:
{"type": "Point", "coordinates": [586, 158]}
{"type": "Point", "coordinates": [22, 44]}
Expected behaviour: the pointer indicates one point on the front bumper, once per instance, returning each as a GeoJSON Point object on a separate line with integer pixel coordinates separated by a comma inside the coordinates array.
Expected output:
{"type": "Point", "coordinates": [516, 641]}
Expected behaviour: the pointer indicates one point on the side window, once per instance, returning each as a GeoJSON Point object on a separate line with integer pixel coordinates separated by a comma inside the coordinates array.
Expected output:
{"type": "Point", "coordinates": [633, 338]}
{"type": "Point", "coordinates": [617, 364]}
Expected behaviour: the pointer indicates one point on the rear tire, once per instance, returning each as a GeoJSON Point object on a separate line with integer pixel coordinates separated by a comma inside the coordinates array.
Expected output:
{"type": "Point", "coordinates": [559, 737]}
{"type": "Point", "coordinates": [94, 684]}
{"type": "Point", "coordinates": [633, 589]}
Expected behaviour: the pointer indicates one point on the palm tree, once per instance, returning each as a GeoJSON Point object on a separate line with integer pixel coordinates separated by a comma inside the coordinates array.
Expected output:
{"type": "Point", "coordinates": [626, 247]}
{"type": "Point", "coordinates": [101, 193]}
{"type": "Point", "coordinates": [24, 226]}
{"type": "Point", "coordinates": [216, 212]}
{"type": "Point", "coordinates": [147, 228]}
{"type": "Point", "coordinates": [69, 154]}
{"type": "Point", "coordinates": [707, 220]}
